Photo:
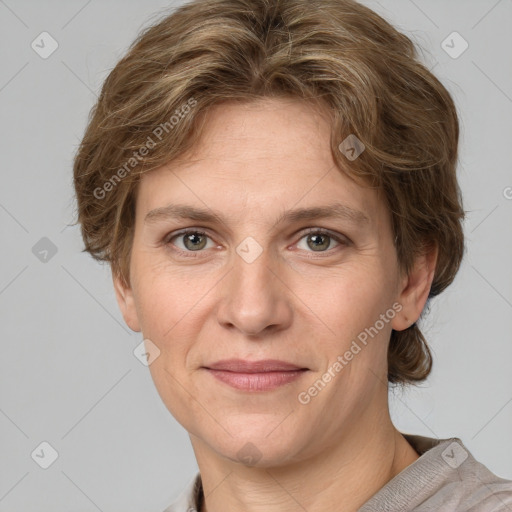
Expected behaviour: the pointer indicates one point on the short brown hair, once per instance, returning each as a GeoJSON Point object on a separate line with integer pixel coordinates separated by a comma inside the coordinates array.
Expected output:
{"type": "Point", "coordinates": [338, 53]}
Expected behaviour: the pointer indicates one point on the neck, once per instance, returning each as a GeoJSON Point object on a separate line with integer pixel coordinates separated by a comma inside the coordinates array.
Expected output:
{"type": "Point", "coordinates": [341, 476]}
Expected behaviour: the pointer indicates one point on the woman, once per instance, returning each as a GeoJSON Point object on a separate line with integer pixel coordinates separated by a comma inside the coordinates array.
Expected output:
{"type": "Point", "coordinates": [274, 185]}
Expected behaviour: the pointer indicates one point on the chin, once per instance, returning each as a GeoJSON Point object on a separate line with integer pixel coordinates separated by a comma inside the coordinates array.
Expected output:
{"type": "Point", "coordinates": [259, 449]}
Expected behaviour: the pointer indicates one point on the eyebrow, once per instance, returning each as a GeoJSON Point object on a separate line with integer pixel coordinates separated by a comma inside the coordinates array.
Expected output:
{"type": "Point", "coordinates": [332, 211]}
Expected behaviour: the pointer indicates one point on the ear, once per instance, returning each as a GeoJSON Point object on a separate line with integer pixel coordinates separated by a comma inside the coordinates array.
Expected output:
{"type": "Point", "coordinates": [126, 302]}
{"type": "Point", "coordinates": [414, 289]}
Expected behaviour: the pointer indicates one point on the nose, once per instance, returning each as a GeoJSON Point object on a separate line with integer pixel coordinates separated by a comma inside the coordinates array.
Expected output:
{"type": "Point", "coordinates": [256, 299]}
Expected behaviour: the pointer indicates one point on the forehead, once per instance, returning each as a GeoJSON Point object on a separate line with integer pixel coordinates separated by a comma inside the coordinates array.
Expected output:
{"type": "Point", "coordinates": [258, 158]}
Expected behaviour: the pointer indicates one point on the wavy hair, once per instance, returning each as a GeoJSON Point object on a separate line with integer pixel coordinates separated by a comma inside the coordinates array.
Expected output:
{"type": "Point", "coordinates": [338, 53]}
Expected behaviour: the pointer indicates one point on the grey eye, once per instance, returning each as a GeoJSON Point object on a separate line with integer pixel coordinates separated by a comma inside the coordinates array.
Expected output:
{"type": "Point", "coordinates": [192, 240]}
{"type": "Point", "coordinates": [318, 242]}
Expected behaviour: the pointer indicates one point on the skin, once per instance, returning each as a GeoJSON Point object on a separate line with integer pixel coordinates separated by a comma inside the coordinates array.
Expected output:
{"type": "Point", "coordinates": [293, 302]}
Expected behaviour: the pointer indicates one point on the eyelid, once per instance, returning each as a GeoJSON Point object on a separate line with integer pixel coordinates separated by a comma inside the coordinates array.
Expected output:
{"type": "Point", "coordinates": [339, 237]}
{"type": "Point", "coordinates": [169, 236]}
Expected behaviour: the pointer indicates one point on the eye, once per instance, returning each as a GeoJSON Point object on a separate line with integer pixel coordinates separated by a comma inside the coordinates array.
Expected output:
{"type": "Point", "coordinates": [320, 240]}
{"type": "Point", "coordinates": [192, 240]}
{"type": "Point", "coordinates": [189, 241]}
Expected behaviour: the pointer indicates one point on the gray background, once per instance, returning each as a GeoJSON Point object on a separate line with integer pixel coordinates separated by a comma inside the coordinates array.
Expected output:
{"type": "Point", "coordinates": [68, 375]}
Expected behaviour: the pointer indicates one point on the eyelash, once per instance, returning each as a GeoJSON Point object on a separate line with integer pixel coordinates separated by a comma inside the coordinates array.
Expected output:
{"type": "Point", "coordinates": [342, 240]}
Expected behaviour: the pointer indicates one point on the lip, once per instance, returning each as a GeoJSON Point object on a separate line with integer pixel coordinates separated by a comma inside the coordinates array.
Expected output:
{"type": "Point", "coordinates": [262, 366]}
{"type": "Point", "coordinates": [264, 375]}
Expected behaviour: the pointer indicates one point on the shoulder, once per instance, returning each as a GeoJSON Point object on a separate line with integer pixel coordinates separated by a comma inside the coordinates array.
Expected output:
{"type": "Point", "coordinates": [480, 489]}
{"type": "Point", "coordinates": [445, 478]}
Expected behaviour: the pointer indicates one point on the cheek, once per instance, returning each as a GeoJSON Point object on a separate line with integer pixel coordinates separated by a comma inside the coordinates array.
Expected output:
{"type": "Point", "coordinates": [354, 302]}
{"type": "Point", "coordinates": [169, 305]}
{"type": "Point", "coordinates": [169, 302]}
{"type": "Point", "coordinates": [356, 294]}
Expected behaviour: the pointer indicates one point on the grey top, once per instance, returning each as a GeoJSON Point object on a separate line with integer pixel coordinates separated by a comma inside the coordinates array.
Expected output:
{"type": "Point", "coordinates": [445, 478]}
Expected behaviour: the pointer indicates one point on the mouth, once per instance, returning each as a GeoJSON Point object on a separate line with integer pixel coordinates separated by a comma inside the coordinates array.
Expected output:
{"type": "Point", "coordinates": [264, 375]}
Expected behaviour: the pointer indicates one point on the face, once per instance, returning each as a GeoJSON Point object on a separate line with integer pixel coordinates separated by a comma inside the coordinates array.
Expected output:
{"type": "Point", "coordinates": [253, 281]}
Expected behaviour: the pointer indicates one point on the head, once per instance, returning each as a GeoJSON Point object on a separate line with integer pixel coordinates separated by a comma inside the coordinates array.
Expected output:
{"type": "Point", "coordinates": [251, 110]}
